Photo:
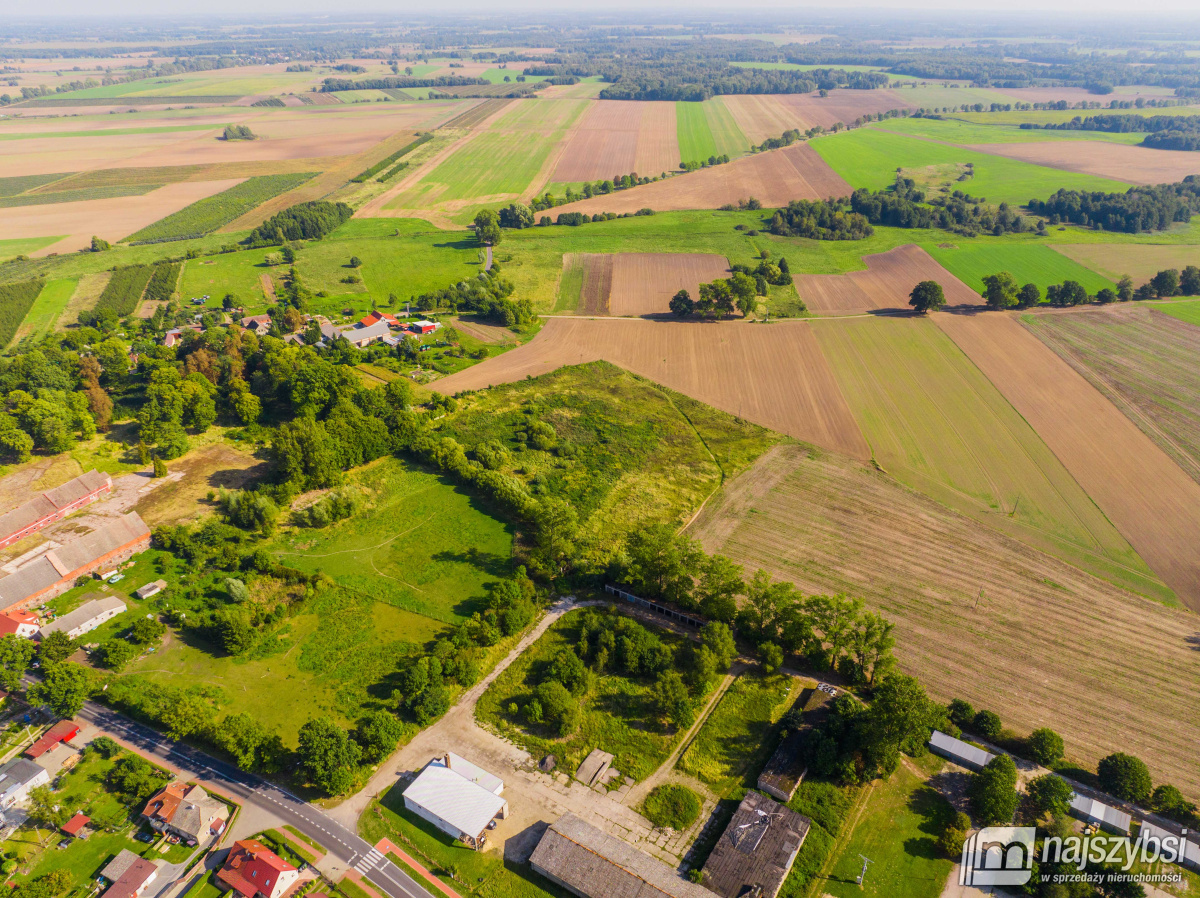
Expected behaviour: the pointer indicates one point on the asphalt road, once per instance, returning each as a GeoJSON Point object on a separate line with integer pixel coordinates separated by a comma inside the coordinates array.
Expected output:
{"type": "Point", "coordinates": [339, 841]}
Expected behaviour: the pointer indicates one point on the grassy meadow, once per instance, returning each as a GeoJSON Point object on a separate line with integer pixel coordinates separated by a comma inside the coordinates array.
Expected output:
{"type": "Point", "coordinates": [1036, 263]}
{"type": "Point", "coordinates": [46, 310]}
{"type": "Point", "coordinates": [1188, 311]}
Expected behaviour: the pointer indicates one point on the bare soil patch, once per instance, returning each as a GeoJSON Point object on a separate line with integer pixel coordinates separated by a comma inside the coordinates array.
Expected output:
{"type": "Point", "coordinates": [979, 616]}
{"type": "Point", "coordinates": [111, 219]}
{"type": "Point", "coordinates": [1152, 502]}
{"type": "Point", "coordinates": [596, 293]}
{"type": "Point", "coordinates": [643, 283]}
{"type": "Point", "coordinates": [768, 115]}
{"type": "Point", "coordinates": [775, 178]}
{"type": "Point", "coordinates": [604, 143]}
{"type": "Point", "coordinates": [1121, 162]}
{"type": "Point", "coordinates": [658, 140]}
{"type": "Point", "coordinates": [483, 331]}
{"type": "Point", "coordinates": [772, 374]}
{"type": "Point", "coordinates": [885, 284]}
{"type": "Point", "coordinates": [209, 468]}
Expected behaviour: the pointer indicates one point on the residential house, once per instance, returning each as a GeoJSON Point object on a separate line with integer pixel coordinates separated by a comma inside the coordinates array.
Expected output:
{"type": "Point", "coordinates": [19, 623]}
{"type": "Point", "coordinates": [129, 875]}
{"type": "Point", "coordinates": [260, 324]}
{"type": "Point", "coordinates": [63, 731]}
{"type": "Point", "coordinates": [187, 811]}
{"type": "Point", "coordinates": [53, 505]}
{"type": "Point", "coordinates": [376, 316]}
{"type": "Point", "coordinates": [254, 871]}
{"type": "Point", "coordinates": [54, 572]}
{"type": "Point", "coordinates": [86, 617]}
{"type": "Point", "coordinates": [17, 778]}
{"type": "Point", "coordinates": [457, 797]}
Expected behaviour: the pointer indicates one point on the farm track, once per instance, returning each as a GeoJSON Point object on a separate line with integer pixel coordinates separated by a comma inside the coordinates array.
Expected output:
{"type": "Point", "coordinates": [772, 374]}
{"type": "Point", "coordinates": [979, 616]}
{"type": "Point", "coordinates": [1154, 504]}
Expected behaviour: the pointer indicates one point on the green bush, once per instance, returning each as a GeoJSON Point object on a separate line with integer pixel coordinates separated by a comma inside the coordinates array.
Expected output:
{"type": "Point", "coordinates": [672, 805]}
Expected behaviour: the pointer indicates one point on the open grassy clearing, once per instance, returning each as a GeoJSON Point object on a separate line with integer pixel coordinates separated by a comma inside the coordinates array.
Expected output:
{"type": "Point", "coordinates": [898, 830]}
{"type": "Point", "coordinates": [930, 96]}
{"type": "Point", "coordinates": [869, 157]}
{"type": "Point", "coordinates": [1035, 263]}
{"type": "Point", "coordinates": [46, 310]}
{"type": "Point", "coordinates": [420, 544]}
{"type": "Point", "coordinates": [696, 140]}
{"type": "Point", "coordinates": [1114, 671]}
{"type": "Point", "coordinates": [935, 423]}
{"type": "Point", "coordinates": [1144, 363]}
{"type": "Point", "coordinates": [618, 713]}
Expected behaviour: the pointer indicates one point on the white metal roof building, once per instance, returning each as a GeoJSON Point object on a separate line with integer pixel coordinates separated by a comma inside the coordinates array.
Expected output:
{"type": "Point", "coordinates": [454, 800]}
{"type": "Point", "coordinates": [961, 753]}
{"type": "Point", "coordinates": [1191, 850]}
{"type": "Point", "coordinates": [85, 618]}
{"type": "Point", "coordinates": [1097, 812]}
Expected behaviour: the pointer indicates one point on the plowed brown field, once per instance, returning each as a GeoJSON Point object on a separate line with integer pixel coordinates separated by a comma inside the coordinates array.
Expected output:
{"type": "Point", "coordinates": [886, 284]}
{"type": "Point", "coordinates": [617, 137]}
{"type": "Point", "coordinates": [597, 283]}
{"type": "Point", "coordinates": [643, 283]}
{"type": "Point", "coordinates": [978, 616]}
{"type": "Point", "coordinates": [1152, 502]}
{"type": "Point", "coordinates": [775, 178]}
{"type": "Point", "coordinates": [1138, 165]}
{"type": "Point", "coordinates": [773, 375]}
{"type": "Point", "coordinates": [768, 115]}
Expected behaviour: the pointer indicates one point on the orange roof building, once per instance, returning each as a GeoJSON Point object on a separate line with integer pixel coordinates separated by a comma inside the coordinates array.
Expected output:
{"type": "Point", "coordinates": [253, 870]}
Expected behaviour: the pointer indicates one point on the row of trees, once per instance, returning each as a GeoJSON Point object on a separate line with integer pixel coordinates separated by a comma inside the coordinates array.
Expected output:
{"type": "Point", "coordinates": [1000, 290]}
{"type": "Point", "coordinates": [1141, 208]}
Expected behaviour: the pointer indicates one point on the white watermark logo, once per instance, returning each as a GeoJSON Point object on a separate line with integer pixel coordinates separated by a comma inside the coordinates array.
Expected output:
{"type": "Point", "coordinates": [998, 856]}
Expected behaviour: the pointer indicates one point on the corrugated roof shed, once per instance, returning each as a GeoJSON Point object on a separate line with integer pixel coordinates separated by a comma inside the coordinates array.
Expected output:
{"type": "Point", "coordinates": [1098, 812]}
{"type": "Point", "coordinates": [1191, 849]}
{"type": "Point", "coordinates": [757, 849]}
{"type": "Point", "coordinates": [81, 615]}
{"type": "Point", "coordinates": [594, 864]}
{"type": "Point", "coordinates": [477, 775]}
{"type": "Point", "coordinates": [454, 798]}
{"type": "Point", "coordinates": [51, 501]}
{"type": "Point", "coordinates": [786, 768]}
{"type": "Point", "coordinates": [958, 751]}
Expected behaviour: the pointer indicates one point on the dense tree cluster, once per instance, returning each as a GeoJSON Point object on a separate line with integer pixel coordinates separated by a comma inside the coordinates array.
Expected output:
{"type": "Point", "coordinates": [1121, 124]}
{"type": "Point", "coordinates": [717, 298]}
{"type": "Point", "coordinates": [333, 85]}
{"type": "Point", "coordinates": [304, 221]}
{"type": "Point", "coordinates": [1138, 209]}
{"type": "Point", "coordinates": [820, 220]}
{"type": "Point", "coordinates": [903, 205]}
{"type": "Point", "coordinates": [488, 295]}
{"type": "Point", "coordinates": [1173, 140]}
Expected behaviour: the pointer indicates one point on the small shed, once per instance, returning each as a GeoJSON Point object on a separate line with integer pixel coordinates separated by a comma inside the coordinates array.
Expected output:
{"type": "Point", "coordinates": [961, 753]}
{"type": "Point", "coordinates": [423, 327]}
{"type": "Point", "coordinates": [77, 826]}
{"type": "Point", "coordinates": [1092, 811]}
{"type": "Point", "coordinates": [63, 731]}
{"type": "Point", "coordinates": [151, 589]}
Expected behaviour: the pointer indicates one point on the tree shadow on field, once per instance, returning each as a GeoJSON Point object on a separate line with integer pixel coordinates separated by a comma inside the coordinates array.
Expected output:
{"type": "Point", "coordinates": [488, 562]}
{"type": "Point", "coordinates": [936, 814]}
{"type": "Point", "coordinates": [1193, 641]}
{"type": "Point", "coordinates": [465, 243]}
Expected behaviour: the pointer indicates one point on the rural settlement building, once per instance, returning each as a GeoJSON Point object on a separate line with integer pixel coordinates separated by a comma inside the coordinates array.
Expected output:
{"type": "Point", "coordinates": [56, 571]}
{"type": "Point", "coordinates": [592, 864]}
{"type": "Point", "coordinates": [86, 618]}
{"type": "Point", "coordinates": [253, 869]}
{"type": "Point", "coordinates": [1191, 850]}
{"type": "Point", "coordinates": [1093, 811]}
{"type": "Point", "coordinates": [53, 505]}
{"type": "Point", "coordinates": [17, 777]}
{"type": "Point", "coordinates": [757, 849]}
{"type": "Point", "coordinates": [129, 875]}
{"type": "Point", "coordinates": [961, 753]}
{"type": "Point", "coordinates": [18, 623]}
{"type": "Point", "coordinates": [187, 811]}
{"type": "Point", "coordinates": [457, 797]}
{"type": "Point", "coordinates": [63, 731]}
{"type": "Point", "coordinates": [362, 336]}
{"type": "Point", "coordinates": [784, 771]}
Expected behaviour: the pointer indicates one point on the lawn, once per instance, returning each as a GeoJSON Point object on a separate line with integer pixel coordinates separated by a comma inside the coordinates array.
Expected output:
{"type": "Point", "coordinates": [937, 424]}
{"type": "Point", "coordinates": [499, 164]}
{"type": "Point", "coordinates": [618, 714]}
{"type": "Point", "coordinates": [898, 831]}
{"type": "Point", "coordinates": [733, 742]}
{"type": "Point", "coordinates": [483, 874]}
{"type": "Point", "coordinates": [869, 157]}
{"type": "Point", "coordinates": [1185, 311]}
{"type": "Point", "coordinates": [1036, 263]}
{"type": "Point", "coordinates": [420, 544]}
{"type": "Point", "coordinates": [43, 315]}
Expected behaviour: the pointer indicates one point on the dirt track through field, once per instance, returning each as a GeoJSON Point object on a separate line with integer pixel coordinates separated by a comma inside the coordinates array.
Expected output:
{"type": "Point", "coordinates": [643, 283]}
{"type": "Point", "coordinates": [775, 178]}
{"type": "Point", "coordinates": [617, 137]}
{"type": "Point", "coordinates": [979, 616]}
{"type": "Point", "coordinates": [885, 284]}
{"type": "Point", "coordinates": [772, 374]}
{"type": "Point", "coordinates": [1152, 502]}
{"type": "Point", "coordinates": [1121, 162]}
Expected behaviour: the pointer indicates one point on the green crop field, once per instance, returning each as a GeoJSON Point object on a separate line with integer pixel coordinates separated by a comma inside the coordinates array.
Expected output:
{"type": "Point", "coordinates": [408, 547]}
{"type": "Point", "coordinates": [1054, 116]}
{"type": "Point", "coordinates": [499, 164]}
{"type": "Point", "coordinates": [898, 830]}
{"type": "Point", "coordinates": [23, 246]}
{"type": "Point", "coordinates": [1184, 311]}
{"type": "Point", "coordinates": [16, 299]}
{"type": "Point", "coordinates": [708, 129]}
{"type": "Point", "coordinates": [43, 315]}
{"type": "Point", "coordinates": [100, 132]}
{"type": "Point", "coordinates": [962, 132]}
{"type": "Point", "coordinates": [937, 424]}
{"type": "Point", "coordinates": [735, 737]}
{"type": "Point", "coordinates": [75, 196]}
{"type": "Point", "coordinates": [207, 215]}
{"type": "Point", "coordinates": [869, 157]}
{"type": "Point", "coordinates": [18, 185]}
{"type": "Point", "coordinates": [1036, 263]}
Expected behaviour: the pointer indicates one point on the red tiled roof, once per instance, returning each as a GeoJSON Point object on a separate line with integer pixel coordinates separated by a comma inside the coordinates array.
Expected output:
{"type": "Point", "coordinates": [128, 884]}
{"type": "Point", "coordinates": [75, 824]}
{"type": "Point", "coordinates": [164, 805]}
{"type": "Point", "coordinates": [60, 732]}
{"type": "Point", "coordinates": [251, 867]}
{"type": "Point", "coordinates": [11, 621]}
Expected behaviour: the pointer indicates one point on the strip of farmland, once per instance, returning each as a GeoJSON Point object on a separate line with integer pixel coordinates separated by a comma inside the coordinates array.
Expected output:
{"type": "Point", "coordinates": [1149, 498]}
{"type": "Point", "coordinates": [643, 283]}
{"type": "Point", "coordinates": [1141, 165]}
{"type": "Point", "coordinates": [978, 615]}
{"type": "Point", "coordinates": [773, 375]}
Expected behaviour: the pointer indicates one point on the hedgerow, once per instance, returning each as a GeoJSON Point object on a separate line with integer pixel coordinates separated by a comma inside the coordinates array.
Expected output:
{"type": "Point", "coordinates": [384, 163]}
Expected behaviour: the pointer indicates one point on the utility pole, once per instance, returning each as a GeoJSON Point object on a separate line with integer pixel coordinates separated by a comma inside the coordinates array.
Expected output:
{"type": "Point", "coordinates": [863, 875]}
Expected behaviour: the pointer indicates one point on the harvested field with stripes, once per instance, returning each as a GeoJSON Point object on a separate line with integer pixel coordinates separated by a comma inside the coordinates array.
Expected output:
{"type": "Point", "coordinates": [885, 284]}
{"type": "Point", "coordinates": [1121, 162]}
{"type": "Point", "coordinates": [1154, 504]}
{"type": "Point", "coordinates": [978, 615]}
{"type": "Point", "coordinates": [761, 116]}
{"type": "Point", "coordinates": [617, 137]}
{"type": "Point", "coordinates": [643, 283]}
{"type": "Point", "coordinates": [775, 178]}
{"type": "Point", "coordinates": [477, 114]}
{"type": "Point", "coordinates": [1144, 362]}
{"type": "Point", "coordinates": [936, 424]}
{"type": "Point", "coordinates": [773, 375]}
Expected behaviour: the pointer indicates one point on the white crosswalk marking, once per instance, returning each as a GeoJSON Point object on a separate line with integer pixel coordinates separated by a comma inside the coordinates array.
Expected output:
{"type": "Point", "coordinates": [371, 859]}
